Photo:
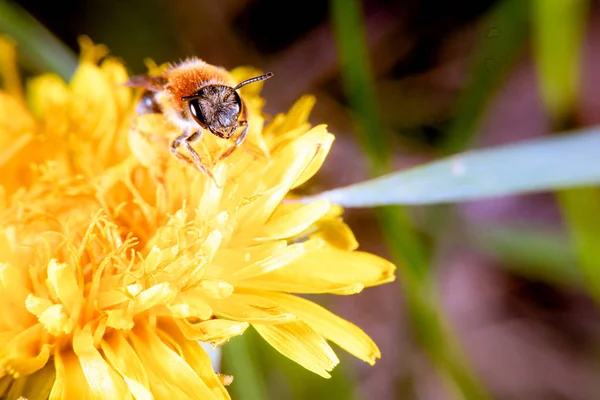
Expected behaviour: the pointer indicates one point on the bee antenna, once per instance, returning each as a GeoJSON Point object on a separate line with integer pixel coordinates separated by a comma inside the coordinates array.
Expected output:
{"type": "Point", "coordinates": [255, 79]}
{"type": "Point", "coordinates": [244, 83]}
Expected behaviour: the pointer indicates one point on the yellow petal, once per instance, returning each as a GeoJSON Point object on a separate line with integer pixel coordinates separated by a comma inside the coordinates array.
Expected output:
{"type": "Point", "coordinates": [169, 375]}
{"type": "Point", "coordinates": [13, 281]}
{"type": "Point", "coordinates": [5, 383]}
{"type": "Point", "coordinates": [318, 158]}
{"type": "Point", "coordinates": [302, 344]}
{"type": "Point", "coordinates": [38, 385]}
{"type": "Point", "coordinates": [94, 112]}
{"type": "Point", "coordinates": [287, 165]}
{"type": "Point", "coordinates": [70, 381]}
{"type": "Point", "coordinates": [290, 162]}
{"type": "Point", "coordinates": [326, 270]}
{"type": "Point", "coordinates": [119, 319]}
{"type": "Point", "coordinates": [345, 334]}
{"type": "Point", "coordinates": [89, 51]}
{"type": "Point", "coordinates": [185, 310]}
{"type": "Point", "coordinates": [214, 330]}
{"type": "Point", "coordinates": [56, 320]}
{"type": "Point", "coordinates": [296, 219]}
{"type": "Point", "coordinates": [37, 305]}
{"type": "Point", "coordinates": [62, 283]}
{"type": "Point", "coordinates": [16, 388]}
{"type": "Point", "coordinates": [15, 120]}
{"type": "Point", "coordinates": [250, 308]}
{"type": "Point", "coordinates": [277, 259]}
{"type": "Point", "coordinates": [9, 73]}
{"type": "Point", "coordinates": [255, 212]}
{"type": "Point", "coordinates": [115, 73]}
{"type": "Point", "coordinates": [159, 294]}
{"type": "Point", "coordinates": [191, 303]}
{"type": "Point", "coordinates": [49, 97]}
{"type": "Point", "coordinates": [149, 143]}
{"type": "Point", "coordinates": [24, 365]}
{"type": "Point", "coordinates": [197, 358]}
{"type": "Point", "coordinates": [125, 361]}
{"type": "Point", "coordinates": [103, 381]}
{"type": "Point", "coordinates": [337, 234]}
{"type": "Point", "coordinates": [310, 286]}
{"type": "Point", "coordinates": [216, 289]}
{"type": "Point", "coordinates": [10, 152]}
{"type": "Point", "coordinates": [293, 125]}
{"type": "Point", "coordinates": [24, 345]}
{"type": "Point", "coordinates": [229, 260]}
{"type": "Point", "coordinates": [299, 113]}
{"type": "Point", "coordinates": [112, 298]}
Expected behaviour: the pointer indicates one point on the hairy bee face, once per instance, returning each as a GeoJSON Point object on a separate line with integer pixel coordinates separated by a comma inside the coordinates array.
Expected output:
{"type": "Point", "coordinates": [216, 108]}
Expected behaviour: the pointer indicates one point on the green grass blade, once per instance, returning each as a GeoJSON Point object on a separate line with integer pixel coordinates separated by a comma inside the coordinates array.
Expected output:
{"type": "Point", "coordinates": [534, 253]}
{"type": "Point", "coordinates": [558, 28]}
{"type": "Point", "coordinates": [536, 165]}
{"type": "Point", "coordinates": [261, 372]}
{"type": "Point", "coordinates": [558, 57]}
{"type": "Point", "coordinates": [407, 250]}
{"type": "Point", "coordinates": [434, 334]}
{"type": "Point", "coordinates": [303, 384]}
{"type": "Point", "coordinates": [580, 208]}
{"type": "Point", "coordinates": [36, 44]}
{"type": "Point", "coordinates": [504, 37]}
{"type": "Point", "coordinates": [359, 83]}
{"type": "Point", "coordinates": [240, 359]}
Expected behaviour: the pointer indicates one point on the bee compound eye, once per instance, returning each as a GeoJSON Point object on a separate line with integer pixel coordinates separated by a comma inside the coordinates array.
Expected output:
{"type": "Point", "coordinates": [238, 101]}
{"type": "Point", "coordinates": [196, 112]}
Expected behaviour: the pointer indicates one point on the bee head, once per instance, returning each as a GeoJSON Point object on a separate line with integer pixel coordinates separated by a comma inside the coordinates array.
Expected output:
{"type": "Point", "coordinates": [218, 107]}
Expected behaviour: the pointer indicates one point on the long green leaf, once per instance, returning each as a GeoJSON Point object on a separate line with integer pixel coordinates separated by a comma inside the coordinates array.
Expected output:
{"type": "Point", "coordinates": [548, 163]}
{"type": "Point", "coordinates": [40, 47]}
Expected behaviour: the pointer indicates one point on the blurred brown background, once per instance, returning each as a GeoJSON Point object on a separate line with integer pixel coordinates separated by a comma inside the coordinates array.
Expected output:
{"type": "Point", "coordinates": [529, 334]}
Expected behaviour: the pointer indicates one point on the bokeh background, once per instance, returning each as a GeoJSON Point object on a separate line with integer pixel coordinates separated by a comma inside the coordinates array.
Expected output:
{"type": "Point", "coordinates": [490, 299]}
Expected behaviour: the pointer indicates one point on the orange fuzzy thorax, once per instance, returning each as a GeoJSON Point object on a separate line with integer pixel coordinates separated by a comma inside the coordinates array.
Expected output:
{"type": "Point", "coordinates": [191, 75]}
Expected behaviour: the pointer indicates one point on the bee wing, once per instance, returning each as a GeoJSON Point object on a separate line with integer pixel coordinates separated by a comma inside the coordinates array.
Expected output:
{"type": "Point", "coordinates": [148, 82]}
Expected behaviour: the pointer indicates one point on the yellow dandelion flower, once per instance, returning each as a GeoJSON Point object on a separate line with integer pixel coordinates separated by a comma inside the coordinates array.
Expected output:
{"type": "Point", "coordinates": [117, 259]}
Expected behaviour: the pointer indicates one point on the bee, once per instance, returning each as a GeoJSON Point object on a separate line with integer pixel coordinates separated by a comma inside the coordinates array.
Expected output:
{"type": "Point", "coordinates": [197, 97]}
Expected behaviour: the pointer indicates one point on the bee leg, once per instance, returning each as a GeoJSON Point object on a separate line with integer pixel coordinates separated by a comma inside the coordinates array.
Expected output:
{"type": "Point", "coordinates": [184, 140]}
{"type": "Point", "coordinates": [238, 141]}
